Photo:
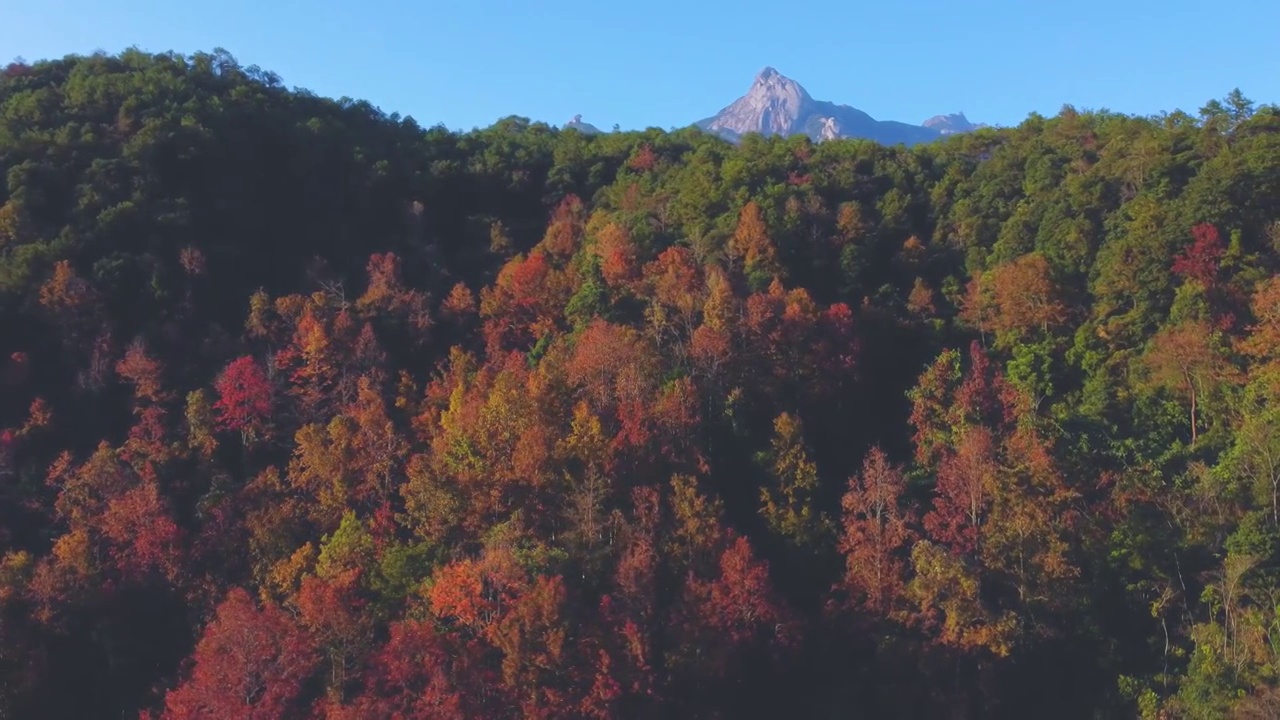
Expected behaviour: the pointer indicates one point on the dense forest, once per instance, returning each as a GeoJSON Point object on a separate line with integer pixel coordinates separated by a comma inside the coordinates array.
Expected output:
{"type": "Point", "coordinates": [307, 411]}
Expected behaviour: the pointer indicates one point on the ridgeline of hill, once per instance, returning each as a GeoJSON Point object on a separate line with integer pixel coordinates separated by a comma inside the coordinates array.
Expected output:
{"type": "Point", "coordinates": [308, 411]}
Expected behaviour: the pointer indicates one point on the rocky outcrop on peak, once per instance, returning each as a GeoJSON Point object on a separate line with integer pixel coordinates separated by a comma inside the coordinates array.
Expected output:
{"type": "Point", "coordinates": [578, 124]}
{"type": "Point", "coordinates": [830, 130]}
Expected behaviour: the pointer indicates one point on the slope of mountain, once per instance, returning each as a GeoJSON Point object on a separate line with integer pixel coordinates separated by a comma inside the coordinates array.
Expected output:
{"type": "Point", "coordinates": [777, 105]}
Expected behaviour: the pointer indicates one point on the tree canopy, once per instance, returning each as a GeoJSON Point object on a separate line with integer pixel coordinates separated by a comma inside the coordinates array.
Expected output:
{"type": "Point", "coordinates": [309, 411]}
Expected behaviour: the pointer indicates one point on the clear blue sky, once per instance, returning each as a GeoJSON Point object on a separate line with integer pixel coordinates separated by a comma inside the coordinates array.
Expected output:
{"type": "Point", "coordinates": [666, 63]}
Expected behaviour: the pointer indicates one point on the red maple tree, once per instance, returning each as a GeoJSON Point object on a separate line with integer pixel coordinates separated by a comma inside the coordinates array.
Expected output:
{"type": "Point", "coordinates": [1201, 260]}
{"type": "Point", "coordinates": [244, 397]}
{"type": "Point", "coordinates": [251, 663]}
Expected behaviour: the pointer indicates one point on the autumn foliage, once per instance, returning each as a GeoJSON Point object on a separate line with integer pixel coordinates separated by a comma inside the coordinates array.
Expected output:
{"type": "Point", "coordinates": [307, 411]}
{"type": "Point", "coordinates": [252, 662]}
{"type": "Point", "coordinates": [244, 397]}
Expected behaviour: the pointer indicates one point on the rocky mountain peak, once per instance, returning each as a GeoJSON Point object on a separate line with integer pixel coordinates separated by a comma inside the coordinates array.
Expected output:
{"type": "Point", "coordinates": [773, 85]}
{"type": "Point", "coordinates": [773, 105]}
{"type": "Point", "coordinates": [953, 123]}
{"type": "Point", "coordinates": [777, 105]}
{"type": "Point", "coordinates": [769, 78]}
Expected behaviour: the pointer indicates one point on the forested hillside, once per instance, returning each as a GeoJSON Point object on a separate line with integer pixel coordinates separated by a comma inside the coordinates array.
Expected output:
{"type": "Point", "coordinates": [307, 411]}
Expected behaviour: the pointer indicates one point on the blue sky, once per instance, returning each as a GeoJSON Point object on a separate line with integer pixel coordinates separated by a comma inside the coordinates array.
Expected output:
{"type": "Point", "coordinates": [666, 63]}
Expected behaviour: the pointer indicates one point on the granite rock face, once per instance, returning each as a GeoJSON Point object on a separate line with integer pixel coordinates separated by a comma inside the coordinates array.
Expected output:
{"type": "Point", "coordinates": [777, 105]}
{"type": "Point", "coordinates": [774, 105]}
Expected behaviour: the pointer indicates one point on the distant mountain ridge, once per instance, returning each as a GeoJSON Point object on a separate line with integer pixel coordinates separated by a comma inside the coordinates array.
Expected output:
{"type": "Point", "coordinates": [777, 105]}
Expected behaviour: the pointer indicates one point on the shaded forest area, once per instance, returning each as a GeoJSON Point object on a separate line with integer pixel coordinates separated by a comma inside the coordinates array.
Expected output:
{"type": "Point", "coordinates": [307, 411]}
